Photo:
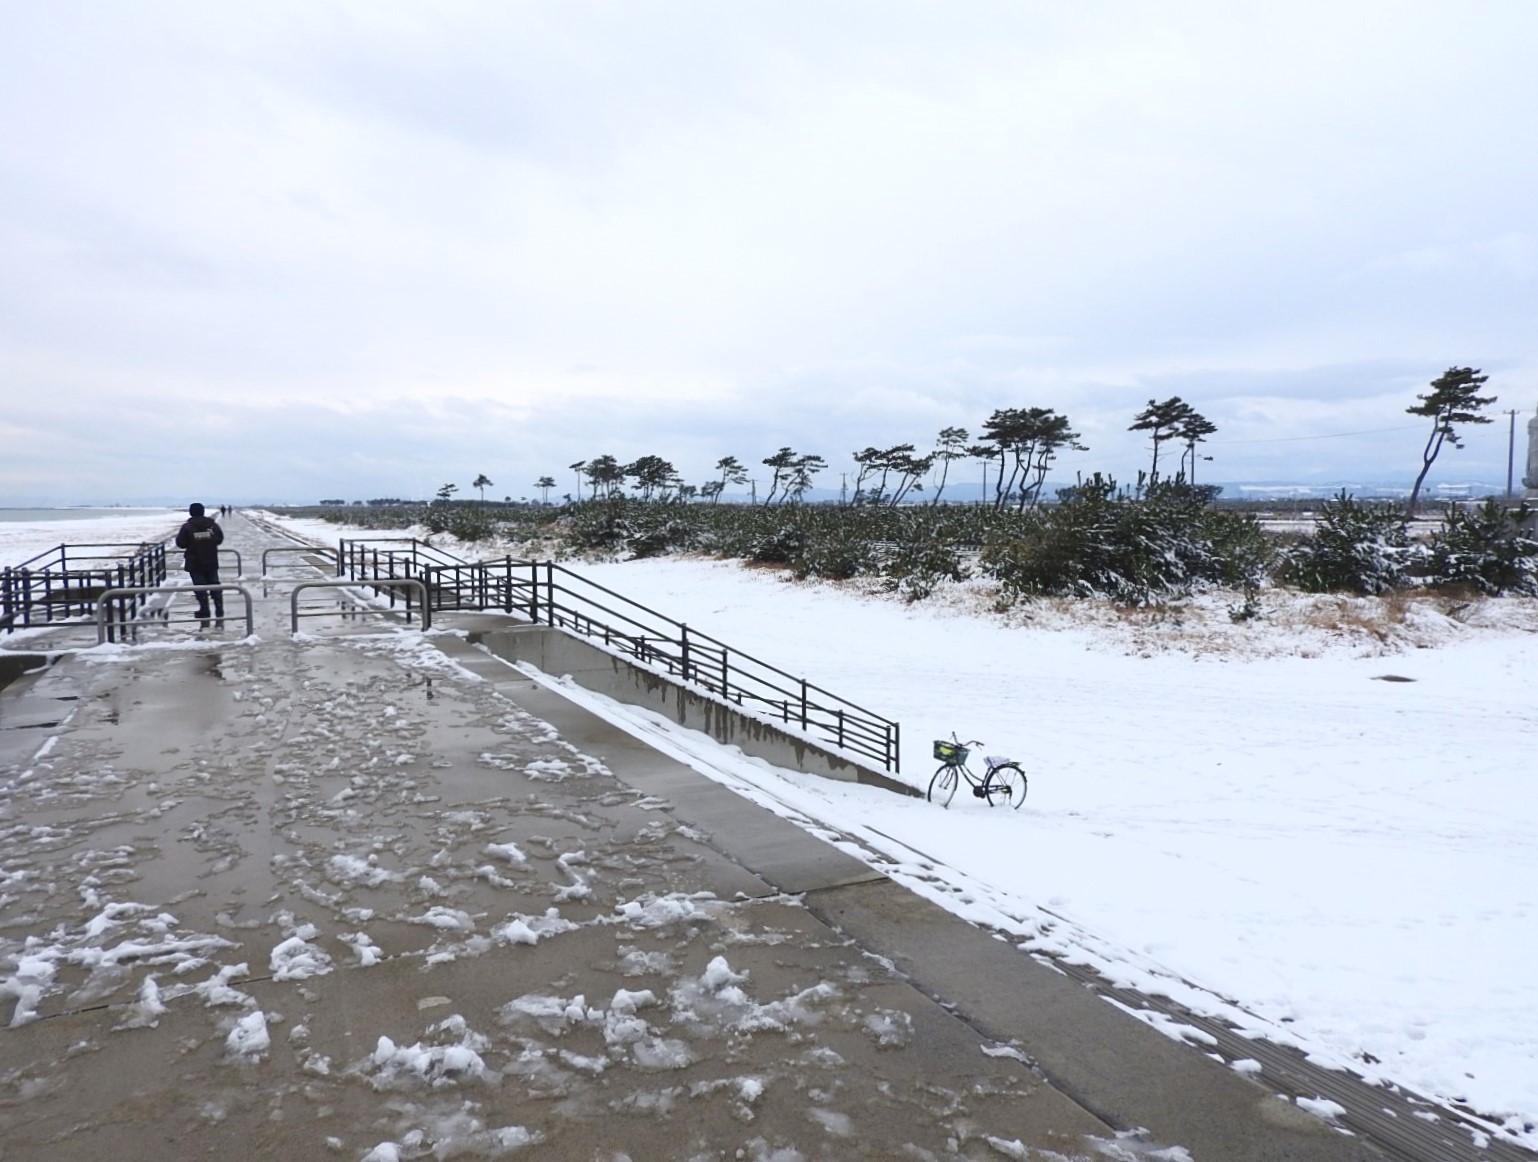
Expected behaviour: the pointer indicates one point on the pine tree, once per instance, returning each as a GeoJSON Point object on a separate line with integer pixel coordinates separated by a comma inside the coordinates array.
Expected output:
{"type": "Point", "coordinates": [1451, 401]}
{"type": "Point", "coordinates": [951, 445]}
{"type": "Point", "coordinates": [1163, 420]}
{"type": "Point", "coordinates": [732, 472]}
{"type": "Point", "coordinates": [1032, 437]}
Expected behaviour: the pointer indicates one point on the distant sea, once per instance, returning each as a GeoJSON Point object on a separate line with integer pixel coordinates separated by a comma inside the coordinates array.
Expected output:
{"type": "Point", "coordinates": [21, 515]}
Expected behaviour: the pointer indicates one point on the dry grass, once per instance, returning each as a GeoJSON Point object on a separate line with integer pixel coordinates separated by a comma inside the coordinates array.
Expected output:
{"type": "Point", "coordinates": [1287, 624]}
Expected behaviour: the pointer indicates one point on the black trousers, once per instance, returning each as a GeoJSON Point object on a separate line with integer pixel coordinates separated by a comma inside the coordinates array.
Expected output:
{"type": "Point", "coordinates": [207, 577]}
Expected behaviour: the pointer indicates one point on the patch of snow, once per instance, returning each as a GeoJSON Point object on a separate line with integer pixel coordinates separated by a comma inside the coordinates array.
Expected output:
{"type": "Point", "coordinates": [296, 959]}
{"type": "Point", "coordinates": [249, 1038]}
{"type": "Point", "coordinates": [1321, 1107]}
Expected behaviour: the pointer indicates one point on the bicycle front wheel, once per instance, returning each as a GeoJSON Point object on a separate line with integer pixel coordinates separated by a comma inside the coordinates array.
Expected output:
{"type": "Point", "coordinates": [942, 788]}
{"type": "Point", "coordinates": [1006, 786]}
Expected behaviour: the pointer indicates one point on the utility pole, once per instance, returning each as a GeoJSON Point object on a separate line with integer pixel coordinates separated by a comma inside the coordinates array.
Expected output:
{"type": "Point", "coordinates": [1511, 448]}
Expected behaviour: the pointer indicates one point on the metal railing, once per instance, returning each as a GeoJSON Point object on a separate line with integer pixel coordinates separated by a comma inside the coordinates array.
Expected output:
{"type": "Point", "coordinates": [67, 581]}
{"type": "Point", "coordinates": [550, 594]}
{"type": "Point", "coordinates": [113, 610]}
{"type": "Point", "coordinates": [411, 584]}
{"type": "Point", "coordinates": [371, 554]}
{"type": "Point", "coordinates": [382, 559]}
{"type": "Point", "coordinates": [314, 552]}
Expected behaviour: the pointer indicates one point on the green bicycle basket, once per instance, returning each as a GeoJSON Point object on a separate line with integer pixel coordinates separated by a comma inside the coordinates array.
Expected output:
{"type": "Point", "coordinates": [950, 752]}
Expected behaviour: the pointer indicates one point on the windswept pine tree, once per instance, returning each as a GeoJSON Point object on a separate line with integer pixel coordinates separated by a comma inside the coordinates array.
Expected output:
{"type": "Point", "coordinates": [652, 475]}
{"type": "Point", "coordinates": [888, 475]}
{"type": "Point", "coordinates": [1028, 441]}
{"type": "Point", "coordinates": [606, 473]}
{"type": "Point", "coordinates": [1162, 420]}
{"type": "Point", "coordinates": [732, 472]}
{"type": "Point", "coordinates": [1450, 402]}
{"type": "Point", "coordinates": [951, 445]}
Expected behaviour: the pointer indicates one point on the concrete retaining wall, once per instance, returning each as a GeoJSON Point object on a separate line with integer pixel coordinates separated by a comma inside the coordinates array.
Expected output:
{"type": "Point", "coordinates": [556, 652]}
{"type": "Point", "coordinates": [13, 666]}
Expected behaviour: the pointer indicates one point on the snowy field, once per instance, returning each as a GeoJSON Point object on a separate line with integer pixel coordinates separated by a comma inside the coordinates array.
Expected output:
{"type": "Point", "coordinates": [1319, 825]}
{"type": "Point", "coordinates": [22, 540]}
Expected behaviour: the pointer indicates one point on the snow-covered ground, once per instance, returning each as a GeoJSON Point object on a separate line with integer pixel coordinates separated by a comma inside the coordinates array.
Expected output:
{"type": "Point", "coordinates": [1319, 825]}
{"type": "Point", "coordinates": [22, 540]}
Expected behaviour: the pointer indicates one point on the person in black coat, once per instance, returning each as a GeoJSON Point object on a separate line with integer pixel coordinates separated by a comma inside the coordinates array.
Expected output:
{"type": "Point", "coordinates": [200, 538]}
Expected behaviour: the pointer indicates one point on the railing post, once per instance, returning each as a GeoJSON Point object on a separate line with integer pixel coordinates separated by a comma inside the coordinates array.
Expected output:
{"type": "Point", "coordinates": [683, 651]}
{"type": "Point", "coordinates": [122, 608]}
{"type": "Point", "coordinates": [803, 703]}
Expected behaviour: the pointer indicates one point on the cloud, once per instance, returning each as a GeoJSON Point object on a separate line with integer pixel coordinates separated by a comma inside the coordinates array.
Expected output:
{"type": "Point", "coordinates": [691, 226]}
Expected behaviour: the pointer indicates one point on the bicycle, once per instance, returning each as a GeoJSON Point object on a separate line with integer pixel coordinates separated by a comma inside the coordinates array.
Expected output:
{"type": "Point", "coordinates": [1003, 782]}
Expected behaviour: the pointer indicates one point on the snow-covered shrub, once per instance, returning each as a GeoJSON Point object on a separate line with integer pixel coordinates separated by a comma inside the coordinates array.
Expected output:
{"type": "Point", "coordinates": [920, 562]}
{"type": "Point", "coordinates": [1098, 542]}
{"type": "Point", "coordinates": [1355, 548]}
{"type": "Point", "coordinates": [1249, 610]}
{"type": "Point", "coordinates": [1490, 549]}
{"type": "Point", "coordinates": [666, 536]}
{"type": "Point", "coordinates": [472, 524]}
{"type": "Point", "coordinates": [597, 525]}
{"type": "Point", "coordinates": [836, 553]}
{"type": "Point", "coordinates": [468, 523]}
{"type": "Point", "coordinates": [778, 546]}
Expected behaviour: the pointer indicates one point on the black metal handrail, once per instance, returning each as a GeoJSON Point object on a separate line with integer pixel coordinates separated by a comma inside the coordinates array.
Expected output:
{"type": "Point", "coordinates": [551, 594]}
{"type": "Point", "coordinates": [59, 556]}
{"type": "Point", "coordinates": [354, 551]}
{"type": "Point", "coordinates": [53, 586]}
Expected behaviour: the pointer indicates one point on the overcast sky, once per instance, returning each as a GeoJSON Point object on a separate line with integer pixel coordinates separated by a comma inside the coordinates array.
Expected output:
{"type": "Point", "coordinates": [294, 250]}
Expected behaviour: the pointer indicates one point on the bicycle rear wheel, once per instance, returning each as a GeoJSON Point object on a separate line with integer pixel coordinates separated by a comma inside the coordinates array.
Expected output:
{"type": "Point", "coordinates": [1006, 786]}
{"type": "Point", "coordinates": [942, 787]}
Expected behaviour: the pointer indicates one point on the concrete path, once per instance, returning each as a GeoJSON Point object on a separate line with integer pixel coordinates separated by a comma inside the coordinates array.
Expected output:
{"type": "Point", "coordinates": [369, 894]}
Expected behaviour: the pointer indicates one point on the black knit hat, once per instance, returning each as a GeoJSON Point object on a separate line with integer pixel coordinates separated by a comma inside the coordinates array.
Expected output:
{"type": "Point", "coordinates": [195, 508]}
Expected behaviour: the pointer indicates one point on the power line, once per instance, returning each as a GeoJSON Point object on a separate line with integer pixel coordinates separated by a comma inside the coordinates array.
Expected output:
{"type": "Point", "coordinates": [1328, 436]}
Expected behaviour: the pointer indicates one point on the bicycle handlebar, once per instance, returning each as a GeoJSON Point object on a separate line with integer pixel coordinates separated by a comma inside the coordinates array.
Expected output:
{"type": "Point", "coordinates": [967, 742]}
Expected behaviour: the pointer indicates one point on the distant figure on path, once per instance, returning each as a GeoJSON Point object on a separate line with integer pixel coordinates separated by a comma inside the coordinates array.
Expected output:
{"type": "Point", "coordinates": [201, 537]}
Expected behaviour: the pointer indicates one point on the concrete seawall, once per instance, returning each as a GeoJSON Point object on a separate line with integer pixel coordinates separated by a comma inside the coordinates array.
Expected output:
{"type": "Point", "coordinates": [559, 653]}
